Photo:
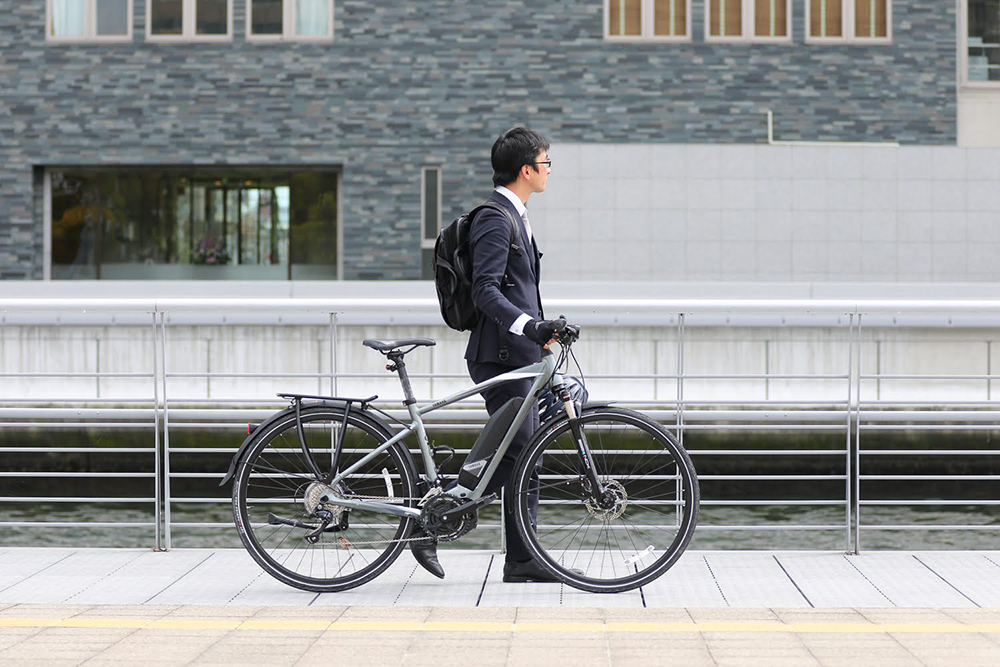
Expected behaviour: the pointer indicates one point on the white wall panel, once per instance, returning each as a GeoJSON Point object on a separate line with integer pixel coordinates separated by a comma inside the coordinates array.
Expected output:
{"type": "Point", "coordinates": [800, 213]}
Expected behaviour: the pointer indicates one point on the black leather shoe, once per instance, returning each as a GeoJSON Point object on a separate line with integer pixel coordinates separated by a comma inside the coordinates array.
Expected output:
{"type": "Point", "coordinates": [529, 571]}
{"type": "Point", "coordinates": [426, 553]}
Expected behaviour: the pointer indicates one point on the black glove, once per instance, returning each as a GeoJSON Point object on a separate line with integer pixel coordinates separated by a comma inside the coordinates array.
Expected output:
{"type": "Point", "coordinates": [539, 331]}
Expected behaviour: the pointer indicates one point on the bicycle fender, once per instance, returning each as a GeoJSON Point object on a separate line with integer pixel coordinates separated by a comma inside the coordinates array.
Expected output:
{"type": "Point", "coordinates": [246, 442]}
{"type": "Point", "coordinates": [290, 411]}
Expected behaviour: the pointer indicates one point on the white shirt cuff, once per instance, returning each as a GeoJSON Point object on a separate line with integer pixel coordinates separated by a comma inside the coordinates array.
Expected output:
{"type": "Point", "coordinates": [518, 327]}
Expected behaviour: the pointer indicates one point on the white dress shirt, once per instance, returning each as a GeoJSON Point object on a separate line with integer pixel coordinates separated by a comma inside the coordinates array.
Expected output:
{"type": "Point", "coordinates": [517, 328]}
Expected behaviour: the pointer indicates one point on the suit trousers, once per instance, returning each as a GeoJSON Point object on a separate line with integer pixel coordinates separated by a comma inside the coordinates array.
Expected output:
{"type": "Point", "coordinates": [496, 397]}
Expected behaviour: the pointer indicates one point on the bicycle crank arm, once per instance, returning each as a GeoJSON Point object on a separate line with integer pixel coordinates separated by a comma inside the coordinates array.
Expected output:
{"type": "Point", "coordinates": [466, 508]}
{"type": "Point", "coordinates": [372, 506]}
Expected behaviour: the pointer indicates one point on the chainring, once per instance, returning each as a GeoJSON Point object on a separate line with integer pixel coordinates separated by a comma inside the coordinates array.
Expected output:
{"type": "Point", "coordinates": [445, 531]}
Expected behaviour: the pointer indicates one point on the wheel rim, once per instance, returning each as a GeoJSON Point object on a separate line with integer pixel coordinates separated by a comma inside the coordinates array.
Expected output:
{"type": "Point", "coordinates": [275, 479]}
{"type": "Point", "coordinates": [635, 536]}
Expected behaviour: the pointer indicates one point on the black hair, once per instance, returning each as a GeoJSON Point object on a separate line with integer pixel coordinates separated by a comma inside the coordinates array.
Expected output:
{"type": "Point", "coordinates": [512, 150]}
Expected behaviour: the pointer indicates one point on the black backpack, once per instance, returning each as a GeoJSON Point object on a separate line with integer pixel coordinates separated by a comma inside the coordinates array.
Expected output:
{"type": "Point", "coordinates": [452, 264]}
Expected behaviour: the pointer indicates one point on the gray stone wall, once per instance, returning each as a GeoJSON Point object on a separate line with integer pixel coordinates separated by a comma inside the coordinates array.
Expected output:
{"type": "Point", "coordinates": [405, 84]}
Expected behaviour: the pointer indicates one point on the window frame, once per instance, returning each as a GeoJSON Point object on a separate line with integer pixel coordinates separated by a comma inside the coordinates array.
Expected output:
{"type": "Point", "coordinates": [90, 25]}
{"type": "Point", "coordinates": [426, 243]}
{"type": "Point", "coordinates": [288, 11]}
{"type": "Point", "coordinates": [963, 54]}
{"type": "Point", "coordinates": [336, 170]}
{"type": "Point", "coordinates": [647, 25]}
{"type": "Point", "coordinates": [749, 9]}
{"type": "Point", "coordinates": [847, 14]}
{"type": "Point", "coordinates": [188, 21]}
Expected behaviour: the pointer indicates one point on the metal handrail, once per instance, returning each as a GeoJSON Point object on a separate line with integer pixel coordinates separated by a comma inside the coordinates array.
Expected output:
{"type": "Point", "coordinates": [852, 414]}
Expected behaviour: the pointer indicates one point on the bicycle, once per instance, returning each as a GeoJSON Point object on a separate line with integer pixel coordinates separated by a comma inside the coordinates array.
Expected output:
{"type": "Point", "coordinates": [326, 495]}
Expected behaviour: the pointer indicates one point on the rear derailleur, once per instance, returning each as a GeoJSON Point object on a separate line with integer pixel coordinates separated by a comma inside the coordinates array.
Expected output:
{"type": "Point", "coordinates": [332, 518]}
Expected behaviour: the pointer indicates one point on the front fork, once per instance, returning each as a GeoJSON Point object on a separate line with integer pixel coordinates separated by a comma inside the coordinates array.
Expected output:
{"type": "Point", "coordinates": [596, 489]}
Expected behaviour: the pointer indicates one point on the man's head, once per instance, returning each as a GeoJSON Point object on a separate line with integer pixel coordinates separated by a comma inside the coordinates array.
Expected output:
{"type": "Point", "coordinates": [516, 158]}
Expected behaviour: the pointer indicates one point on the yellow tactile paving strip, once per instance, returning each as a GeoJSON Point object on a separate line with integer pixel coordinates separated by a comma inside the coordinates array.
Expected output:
{"type": "Point", "coordinates": [478, 627]}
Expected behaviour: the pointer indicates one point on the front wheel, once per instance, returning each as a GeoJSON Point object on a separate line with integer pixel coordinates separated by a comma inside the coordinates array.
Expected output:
{"type": "Point", "coordinates": [646, 521]}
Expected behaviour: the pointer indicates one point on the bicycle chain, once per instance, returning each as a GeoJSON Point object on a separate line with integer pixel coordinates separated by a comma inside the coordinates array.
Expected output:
{"type": "Point", "coordinates": [430, 494]}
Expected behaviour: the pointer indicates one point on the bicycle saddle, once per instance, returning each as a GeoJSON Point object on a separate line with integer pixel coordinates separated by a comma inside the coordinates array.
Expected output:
{"type": "Point", "coordinates": [385, 346]}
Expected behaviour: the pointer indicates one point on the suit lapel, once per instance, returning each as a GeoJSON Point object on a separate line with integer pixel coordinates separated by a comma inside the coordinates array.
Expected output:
{"type": "Point", "coordinates": [515, 216]}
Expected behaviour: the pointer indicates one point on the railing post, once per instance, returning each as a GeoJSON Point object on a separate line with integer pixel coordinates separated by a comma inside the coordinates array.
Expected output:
{"type": "Point", "coordinates": [857, 450]}
{"type": "Point", "coordinates": [166, 434]}
{"type": "Point", "coordinates": [503, 522]}
{"type": "Point", "coordinates": [767, 370]}
{"type": "Point", "coordinates": [848, 468]}
{"type": "Point", "coordinates": [333, 354]}
{"type": "Point", "coordinates": [333, 379]}
{"type": "Point", "coordinates": [656, 369]}
{"type": "Point", "coordinates": [157, 478]}
{"type": "Point", "coordinates": [680, 378]}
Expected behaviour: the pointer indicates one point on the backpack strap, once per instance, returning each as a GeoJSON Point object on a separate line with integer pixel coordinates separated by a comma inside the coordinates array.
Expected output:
{"type": "Point", "coordinates": [514, 235]}
{"type": "Point", "coordinates": [504, 351]}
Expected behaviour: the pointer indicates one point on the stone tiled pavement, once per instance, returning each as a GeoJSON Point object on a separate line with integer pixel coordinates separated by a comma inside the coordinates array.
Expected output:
{"type": "Point", "coordinates": [536, 636]}
{"type": "Point", "coordinates": [128, 607]}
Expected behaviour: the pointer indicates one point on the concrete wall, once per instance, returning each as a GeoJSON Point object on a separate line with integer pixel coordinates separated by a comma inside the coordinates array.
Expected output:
{"type": "Point", "coordinates": [604, 350]}
{"type": "Point", "coordinates": [404, 85]}
{"type": "Point", "coordinates": [770, 213]}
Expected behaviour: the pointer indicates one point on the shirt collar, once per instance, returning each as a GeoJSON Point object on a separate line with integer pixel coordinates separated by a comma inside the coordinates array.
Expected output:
{"type": "Point", "coordinates": [514, 199]}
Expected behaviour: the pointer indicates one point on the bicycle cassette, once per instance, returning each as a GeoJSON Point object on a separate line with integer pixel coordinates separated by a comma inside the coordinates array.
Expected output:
{"type": "Point", "coordinates": [313, 502]}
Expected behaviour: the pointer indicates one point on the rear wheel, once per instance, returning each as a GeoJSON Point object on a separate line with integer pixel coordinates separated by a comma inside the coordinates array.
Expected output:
{"type": "Point", "coordinates": [642, 527]}
{"type": "Point", "coordinates": [277, 500]}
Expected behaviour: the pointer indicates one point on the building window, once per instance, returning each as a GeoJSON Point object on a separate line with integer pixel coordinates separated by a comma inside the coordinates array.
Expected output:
{"type": "Point", "coordinates": [983, 40]}
{"type": "Point", "coordinates": [854, 20]}
{"type": "Point", "coordinates": [270, 20]}
{"type": "Point", "coordinates": [193, 224]}
{"type": "Point", "coordinates": [89, 20]}
{"type": "Point", "coordinates": [636, 20]}
{"type": "Point", "coordinates": [430, 216]}
{"type": "Point", "coordinates": [186, 20]}
{"type": "Point", "coordinates": [748, 20]}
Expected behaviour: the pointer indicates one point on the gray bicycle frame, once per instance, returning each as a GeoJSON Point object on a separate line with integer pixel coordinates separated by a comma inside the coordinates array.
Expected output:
{"type": "Point", "coordinates": [542, 371]}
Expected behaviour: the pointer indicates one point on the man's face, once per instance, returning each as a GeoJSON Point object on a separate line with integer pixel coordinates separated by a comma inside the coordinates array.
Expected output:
{"type": "Point", "coordinates": [538, 174]}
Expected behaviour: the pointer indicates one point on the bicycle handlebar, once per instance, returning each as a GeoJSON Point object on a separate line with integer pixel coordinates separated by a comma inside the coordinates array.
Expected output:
{"type": "Point", "coordinates": [566, 333]}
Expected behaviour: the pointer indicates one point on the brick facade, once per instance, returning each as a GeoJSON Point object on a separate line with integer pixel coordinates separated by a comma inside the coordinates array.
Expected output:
{"type": "Point", "coordinates": [406, 84]}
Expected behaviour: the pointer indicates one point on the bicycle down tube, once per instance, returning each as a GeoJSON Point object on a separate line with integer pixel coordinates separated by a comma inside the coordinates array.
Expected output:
{"type": "Point", "coordinates": [541, 371]}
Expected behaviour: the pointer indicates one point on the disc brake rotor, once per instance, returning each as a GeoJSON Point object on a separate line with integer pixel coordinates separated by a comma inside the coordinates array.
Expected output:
{"type": "Point", "coordinates": [615, 488]}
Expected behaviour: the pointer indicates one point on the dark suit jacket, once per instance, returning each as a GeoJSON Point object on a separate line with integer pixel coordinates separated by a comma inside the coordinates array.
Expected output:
{"type": "Point", "coordinates": [502, 301]}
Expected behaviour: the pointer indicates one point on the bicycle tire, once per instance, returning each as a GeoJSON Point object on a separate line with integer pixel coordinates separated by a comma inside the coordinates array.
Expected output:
{"type": "Point", "coordinates": [274, 477]}
{"type": "Point", "coordinates": [631, 547]}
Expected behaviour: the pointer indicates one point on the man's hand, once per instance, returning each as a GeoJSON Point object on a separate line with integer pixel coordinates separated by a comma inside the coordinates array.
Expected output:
{"type": "Point", "coordinates": [540, 331]}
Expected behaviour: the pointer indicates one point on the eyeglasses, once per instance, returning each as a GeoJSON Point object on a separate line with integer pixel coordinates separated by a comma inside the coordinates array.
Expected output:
{"type": "Point", "coordinates": [547, 163]}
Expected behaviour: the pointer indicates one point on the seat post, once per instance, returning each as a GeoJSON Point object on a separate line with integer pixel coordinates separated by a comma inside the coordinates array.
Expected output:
{"type": "Point", "coordinates": [404, 379]}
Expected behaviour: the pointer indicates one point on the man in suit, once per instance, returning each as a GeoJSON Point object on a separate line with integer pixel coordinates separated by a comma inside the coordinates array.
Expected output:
{"type": "Point", "coordinates": [511, 330]}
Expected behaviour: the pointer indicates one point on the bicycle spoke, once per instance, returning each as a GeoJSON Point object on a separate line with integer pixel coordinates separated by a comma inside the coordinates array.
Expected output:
{"type": "Point", "coordinates": [637, 463]}
{"type": "Point", "coordinates": [276, 475]}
